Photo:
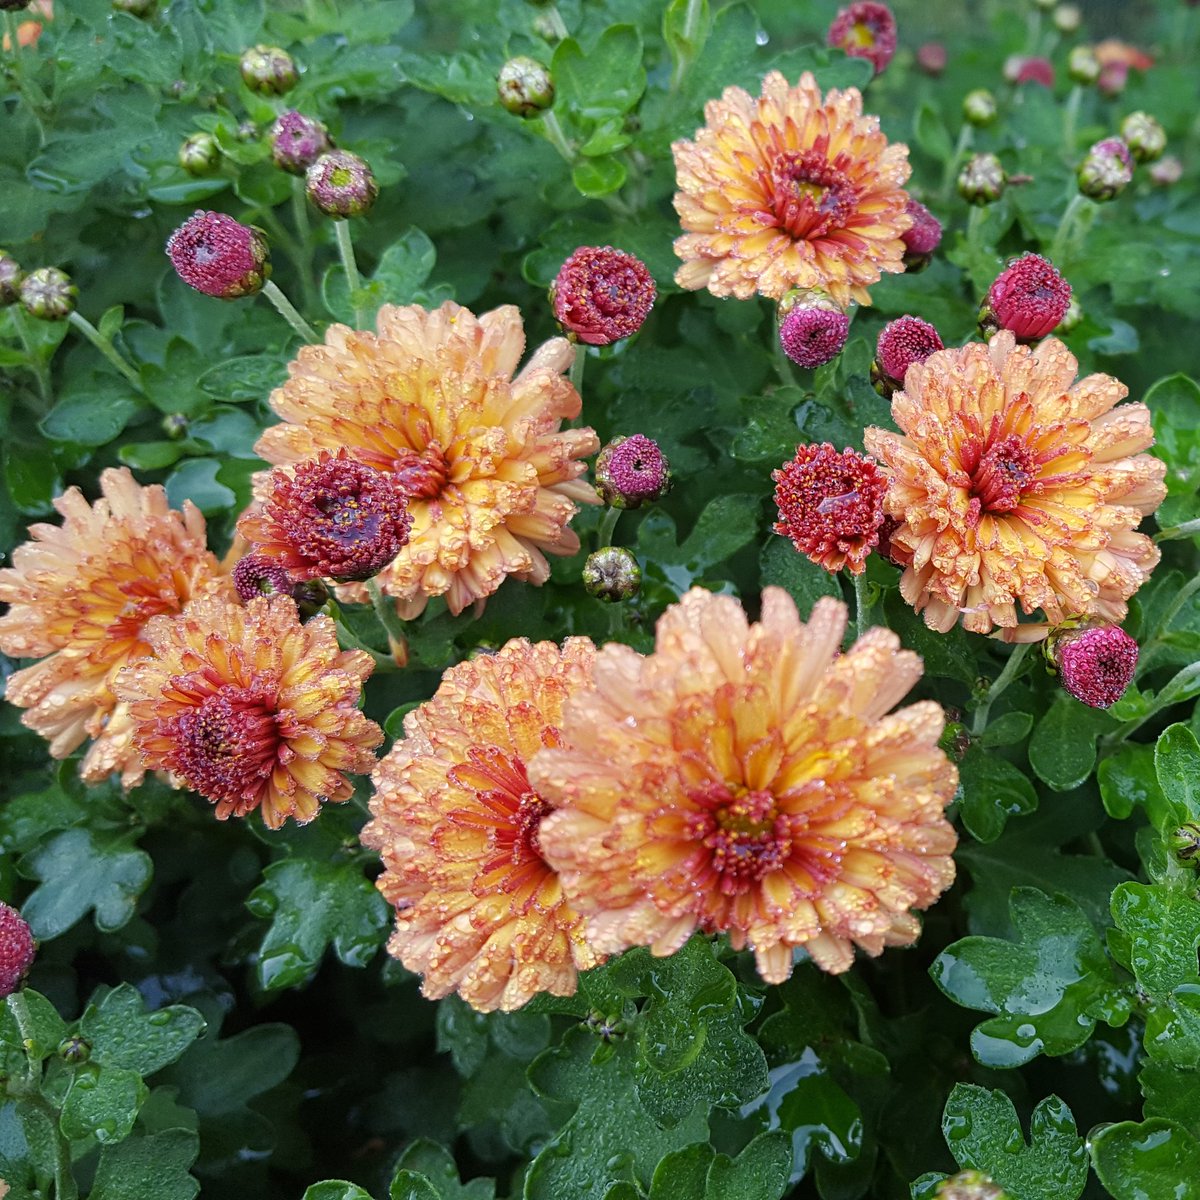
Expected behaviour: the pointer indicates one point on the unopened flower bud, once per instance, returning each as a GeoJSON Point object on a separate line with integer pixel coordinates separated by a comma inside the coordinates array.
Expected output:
{"type": "Point", "coordinates": [601, 295]}
{"type": "Point", "coordinates": [1029, 298]}
{"type": "Point", "coordinates": [10, 279]}
{"type": "Point", "coordinates": [970, 1185]}
{"type": "Point", "coordinates": [200, 154]}
{"type": "Point", "coordinates": [17, 949]}
{"type": "Point", "coordinates": [1185, 842]}
{"type": "Point", "coordinates": [74, 1050]}
{"type": "Point", "coordinates": [982, 179]}
{"type": "Point", "coordinates": [979, 107]}
{"type": "Point", "coordinates": [955, 740]}
{"type": "Point", "coordinates": [901, 343]}
{"type": "Point", "coordinates": [175, 426]}
{"type": "Point", "coordinates": [1020, 68]}
{"type": "Point", "coordinates": [311, 595]}
{"type": "Point", "coordinates": [341, 184]}
{"type": "Point", "coordinates": [632, 471]}
{"type": "Point", "coordinates": [931, 58]}
{"type": "Point", "coordinates": [547, 28]}
{"type": "Point", "coordinates": [1112, 79]}
{"type": "Point", "coordinates": [219, 256]}
{"type": "Point", "coordinates": [48, 294]}
{"type": "Point", "coordinates": [256, 575]}
{"type": "Point", "coordinates": [1045, 5]}
{"type": "Point", "coordinates": [1144, 136]}
{"type": "Point", "coordinates": [268, 70]}
{"type": "Point", "coordinates": [1096, 664]}
{"type": "Point", "coordinates": [1082, 65]}
{"type": "Point", "coordinates": [1166, 171]}
{"type": "Point", "coordinates": [1068, 18]}
{"type": "Point", "coordinates": [1071, 317]}
{"type": "Point", "coordinates": [246, 131]}
{"type": "Point", "coordinates": [297, 142]}
{"type": "Point", "coordinates": [813, 327]}
{"type": "Point", "coordinates": [135, 8]}
{"type": "Point", "coordinates": [1106, 170]}
{"type": "Point", "coordinates": [524, 87]}
{"type": "Point", "coordinates": [922, 238]}
{"type": "Point", "coordinates": [612, 574]}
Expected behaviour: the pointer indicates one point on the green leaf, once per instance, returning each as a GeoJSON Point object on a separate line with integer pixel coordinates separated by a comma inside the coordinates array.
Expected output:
{"type": "Point", "coordinates": [90, 418]}
{"type": "Point", "coordinates": [148, 1168]}
{"type": "Point", "coordinates": [931, 133]}
{"type": "Point", "coordinates": [405, 266]}
{"type": "Point", "coordinates": [597, 177]}
{"type": "Point", "coordinates": [1062, 751]}
{"type": "Point", "coordinates": [982, 1130]}
{"type": "Point", "coordinates": [124, 1034]}
{"type": "Point", "coordinates": [1174, 404]}
{"type": "Point", "coordinates": [45, 1025]}
{"type": "Point", "coordinates": [103, 1103]}
{"type": "Point", "coordinates": [311, 905]}
{"type": "Point", "coordinates": [340, 1189]}
{"type": "Point", "coordinates": [1007, 729]}
{"type": "Point", "coordinates": [81, 871]}
{"type": "Point", "coordinates": [246, 377]}
{"type": "Point", "coordinates": [760, 1172]}
{"type": "Point", "coordinates": [604, 83]}
{"type": "Point", "coordinates": [992, 791]}
{"type": "Point", "coordinates": [434, 1166]}
{"type": "Point", "coordinates": [1156, 1160]}
{"type": "Point", "coordinates": [1045, 990]}
{"type": "Point", "coordinates": [1128, 780]}
{"type": "Point", "coordinates": [1177, 766]}
{"type": "Point", "coordinates": [784, 566]}
{"type": "Point", "coordinates": [196, 480]}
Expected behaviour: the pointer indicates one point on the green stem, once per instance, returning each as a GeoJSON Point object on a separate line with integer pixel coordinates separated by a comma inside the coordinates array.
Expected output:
{"type": "Point", "coordinates": [19, 1007]}
{"type": "Point", "coordinates": [608, 526]}
{"type": "Point", "coordinates": [555, 21]}
{"type": "Point", "coordinates": [93, 335]}
{"type": "Point", "coordinates": [1187, 529]}
{"type": "Point", "coordinates": [555, 136]}
{"type": "Point", "coordinates": [975, 222]}
{"type": "Point", "coordinates": [65, 1187]}
{"type": "Point", "coordinates": [1033, 32]}
{"type": "Point", "coordinates": [350, 266]}
{"type": "Point", "coordinates": [1066, 229]}
{"type": "Point", "coordinates": [1011, 670]}
{"type": "Point", "coordinates": [577, 365]}
{"type": "Point", "coordinates": [35, 359]}
{"type": "Point", "coordinates": [385, 612]}
{"type": "Point", "coordinates": [965, 137]}
{"type": "Point", "coordinates": [304, 254]}
{"type": "Point", "coordinates": [1070, 120]}
{"type": "Point", "coordinates": [862, 606]}
{"type": "Point", "coordinates": [1186, 592]}
{"type": "Point", "coordinates": [288, 312]}
{"type": "Point", "coordinates": [33, 95]}
{"type": "Point", "coordinates": [691, 23]}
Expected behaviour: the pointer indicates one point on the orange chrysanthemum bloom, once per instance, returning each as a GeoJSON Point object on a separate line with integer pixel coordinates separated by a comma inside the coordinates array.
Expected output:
{"type": "Point", "coordinates": [457, 824]}
{"type": "Point", "coordinates": [1013, 482]}
{"type": "Point", "coordinates": [252, 709]}
{"type": "Point", "coordinates": [790, 190]}
{"type": "Point", "coordinates": [80, 595]}
{"type": "Point", "coordinates": [431, 398]}
{"type": "Point", "coordinates": [748, 779]}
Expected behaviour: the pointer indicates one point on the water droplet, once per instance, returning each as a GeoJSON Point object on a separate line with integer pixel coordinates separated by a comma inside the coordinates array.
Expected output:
{"type": "Point", "coordinates": [761, 38]}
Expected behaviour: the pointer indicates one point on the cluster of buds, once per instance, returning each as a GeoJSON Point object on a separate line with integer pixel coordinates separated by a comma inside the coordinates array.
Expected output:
{"type": "Point", "coordinates": [982, 179]}
{"type": "Point", "coordinates": [1106, 170]}
{"type": "Point", "coordinates": [341, 185]}
{"type": "Point", "coordinates": [258, 575]}
{"type": "Point", "coordinates": [901, 343]}
{"type": "Point", "coordinates": [524, 87]}
{"type": "Point", "coordinates": [219, 256]}
{"type": "Point", "coordinates": [813, 327]}
{"type": "Point", "coordinates": [601, 295]}
{"type": "Point", "coordinates": [1029, 298]}
{"type": "Point", "coordinates": [1095, 664]}
{"type": "Point", "coordinates": [867, 30]}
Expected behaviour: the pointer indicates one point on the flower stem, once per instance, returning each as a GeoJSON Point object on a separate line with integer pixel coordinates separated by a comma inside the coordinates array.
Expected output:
{"type": "Point", "coordinates": [862, 605]}
{"type": "Point", "coordinates": [577, 365]}
{"type": "Point", "coordinates": [1066, 229]}
{"type": "Point", "coordinates": [687, 55]}
{"type": "Point", "coordinates": [1012, 669]}
{"type": "Point", "coordinates": [608, 525]}
{"type": "Point", "coordinates": [975, 220]}
{"type": "Point", "coordinates": [555, 21]}
{"type": "Point", "coordinates": [385, 612]}
{"type": "Point", "coordinates": [1187, 529]}
{"type": "Point", "coordinates": [1185, 593]}
{"type": "Point", "coordinates": [288, 312]}
{"type": "Point", "coordinates": [965, 137]}
{"type": "Point", "coordinates": [1070, 120]}
{"type": "Point", "coordinates": [19, 1007]}
{"type": "Point", "coordinates": [555, 136]}
{"type": "Point", "coordinates": [35, 359]}
{"type": "Point", "coordinates": [350, 266]}
{"type": "Point", "coordinates": [33, 96]}
{"type": "Point", "coordinates": [105, 346]}
{"type": "Point", "coordinates": [303, 256]}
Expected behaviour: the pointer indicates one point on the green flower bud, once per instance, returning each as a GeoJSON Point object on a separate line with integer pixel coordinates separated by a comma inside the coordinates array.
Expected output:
{"type": "Point", "coordinates": [612, 574]}
{"type": "Point", "coordinates": [1083, 66]}
{"type": "Point", "coordinates": [1144, 136]}
{"type": "Point", "coordinates": [979, 107]}
{"type": "Point", "coordinates": [75, 1050]}
{"type": "Point", "coordinates": [982, 179]}
{"type": "Point", "coordinates": [1106, 171]}
{"type": "Point", "coordinates": [175, 426]}
{"type": "Point", "coordinates": [10, 279]}
{"type": "Point", "coordinates": [200, 154]}
{"type": "Point", "coordinates": [1067, 18]}
{"type": "Point", "coordinates": [48, 294]}
{"type": "Point", "coordinates": [524, 87]}
{"type": "Point", "coordinates": [1073, 316]}
{"type": "Point", "coordinates": [268, 70]}
{"type": "Point", "coordinates": [1185, 842]}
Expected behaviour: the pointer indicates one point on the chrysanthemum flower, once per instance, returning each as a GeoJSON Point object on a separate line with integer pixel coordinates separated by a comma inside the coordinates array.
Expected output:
{"type": "Point", "coordinates": [1029, 297]}
{"type": "Point", "coordinates": [830, 505]}
{"type": "Point", "coordinates": [790, 190]}
{"type": "Point", "coordinates": [80, 594]}
{"type": "Point", "coordinates": [865, 29]}
{"type": "Point", "coordinates": [1013, 483]}
{"type": "Point", "coordinates": [812, 335]}
{"type": "Point", "coordinates": [601, 295]}
{"type": "Point", "coordinates": [1095, 665]}
{"type": "Point", "coordinates": [251, 709]}
{"type": "Point", "coordinates": [457, 823]}
{"type": "Point", "coordinates": [747, 779]}
{"type": "Point", "coordinates": [901, 343]}
{"type": "Point", "coordinates": [492, 481]}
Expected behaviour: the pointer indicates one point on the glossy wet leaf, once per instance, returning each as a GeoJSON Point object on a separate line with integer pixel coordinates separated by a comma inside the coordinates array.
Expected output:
{"type": "Point", "coordinates": [123, 1034]}
{"type": "Point", "coordinates": [427, 1168]}
{"type": "Point", "coordinates": [1062, 751]}
{"type": "Point", "coordinates": [103, 1103]}
{"type": "Point", "coordinates": [1154, 1160]}
{"type": "Point", "coordinates": [993, 790]}
{"type": "Point", "coordinates": [148, 1168]}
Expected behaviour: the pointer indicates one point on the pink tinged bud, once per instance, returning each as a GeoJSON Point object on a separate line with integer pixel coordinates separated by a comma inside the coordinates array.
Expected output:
{"type": "Point", "coordinates": [902, 342]}
{"type": "Point", "coordinates": [601, 295]}
{"type": "Point", "coordinates": [1144, 136]}
{"type": "Point", "coordinates": [17, 949]}
{"type": "Point", "coordinates": [865, 30]}
{"type": "Point", "coordinates": [1096, 665]}
{"type": "Point", "coordinates": [931, 58]}
{"type": "Point", "coordinates": [256, 575]}
{"type": "Point", "coordinates": [1030, 70]}
{"type": "Point", "coordinates": [10, 279]}
{"type": "Point", "coordinates": [922, 238]}
{"type": "Point", "coordinates": [1029, 298]}
{"type": "Point", "coordinates": [219, 256]}
{"type": "Point", "coordinates": [1167, 171]}
{"type": "Point", "coordinates": [1106, 170]}
{"type": "Point", "coordinates": [982, 179]}
{"type": "Point", "coordinates": [297, 142]}
{"type": "Point", "coordinates": [48, 294]}
{"type": "Point", "coordinates": [811, 336]}
{"type": "Point", "coordinates": [341, 184]}
{"type": "Point", "coordinates": [1113, 77]}
{"type": "Point", "coordinates": [632, 471]}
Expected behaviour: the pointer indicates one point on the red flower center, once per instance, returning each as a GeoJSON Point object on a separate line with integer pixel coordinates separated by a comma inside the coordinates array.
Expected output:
{"type": "Point", "coordinates": [1005, 469]}
{"type": "Point", "coordinates": [421, 474]}
{"type": "Point", "coordinates": [810, 195]}
{"type": "Point", "coordinates": [227, 746]}
{"type": "Point", "coordinates": [744, 835]}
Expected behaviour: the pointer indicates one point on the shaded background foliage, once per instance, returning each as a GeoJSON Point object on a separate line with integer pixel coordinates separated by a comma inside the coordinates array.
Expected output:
{"type": "Point", "coordinates": [1054, 990]}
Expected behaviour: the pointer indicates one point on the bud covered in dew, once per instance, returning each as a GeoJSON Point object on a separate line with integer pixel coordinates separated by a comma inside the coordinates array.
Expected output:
{"type": "Point", "coordinates": [1029, 298]}
{"type": "Point", "coordinates": [982, 179]}
{"type": "Point", "coordinates": [813, 327]}
{"type": "Point", "coordinates": [17, 949]}
{"type": "Point", "coordinates": [200, 154]}
{"type": "Point", "coordinates": [1144, 136]}
{"type": "Point", "coordinates": [922, 238]}
{"type": "Point", "coordinates": [1096, 664]}
{"type": "Point", "coordinates": [220, 256]}
{"type": "Point", "coordinates": [10, 279]}
{"type": "Point", "coordinates": [612, 574]}
{"type": "Point", "coordinates": [979, 107]}
{"type": "Point", "coordinates": [970, 1185]}
{"type": "Point", "coordinates": [341, 185]}
{"type": "Point", "coordinates": [268, 70]}
{"type": "Point", "coordinates": [48, 294]}
{"type": "Point", "coordinates": [902, 342]}
{"type": "Point", "coordinates": [297, 142]}
{"type": "Point", "coordinates": [524, 87]}
{"type": "Point", "coordinates": [1106, 170]}
{"type": "Point", "coordinates": [632, 471]}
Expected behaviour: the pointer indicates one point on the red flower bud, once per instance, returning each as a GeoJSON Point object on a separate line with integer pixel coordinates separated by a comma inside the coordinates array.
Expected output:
{"type": "Point", "coordinates": [17, 949]}
{"type": "Point", "coordinates": [1029, 298]}
{"type": "Point", "coordinates": [1095, 665]}
{"type": "Point", "coordinates": [602, 295]}
{"type": "Point", "coordinates": [902, 342]}
{"type": "Point", "coordinates": [219, 256]}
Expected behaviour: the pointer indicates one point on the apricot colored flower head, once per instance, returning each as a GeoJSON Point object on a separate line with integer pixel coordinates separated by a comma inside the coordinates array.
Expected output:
{"type": "Point", "coordinates": [492, 480]}
{"type": "Point", "coordinates": [251, 709]}
{"type": "Point", "coordinates": [790, 190]}
{"type": "Point", "coordinates": [80, 594]}
{"type": "Point", "coordinates": [749, 779]}
{"type": "Point", "coordinates": [457, 823]}
{"type": "Point", "coordinates": [1013, 482]}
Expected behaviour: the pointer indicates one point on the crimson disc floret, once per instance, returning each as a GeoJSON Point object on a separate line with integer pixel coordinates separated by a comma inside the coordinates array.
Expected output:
{"type": "Point", "coordinates": [602, 295]}
{"type": "Point", "coordinates": [219, 256]}
{"type": "Point", "coordinates": [812, 335]}
{"type": "Point", "coordinates": [632, 471]}
{"type": "Point", "coordinates": [258, 575]}
{"type": "Point", "coordinates": [901, 343]}
{"type": "Point", "coordinates": [924, 236]}
{"type": "Point", "coordinates": [17, 949]}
